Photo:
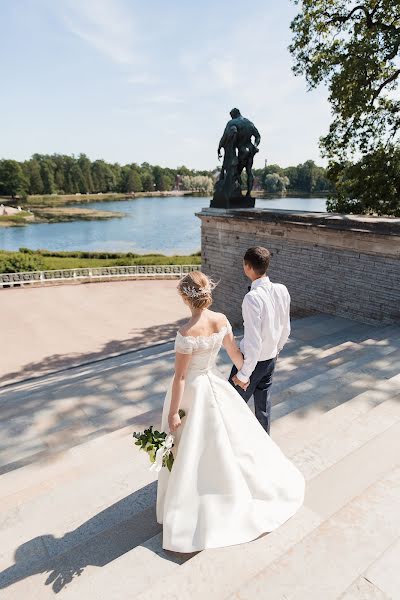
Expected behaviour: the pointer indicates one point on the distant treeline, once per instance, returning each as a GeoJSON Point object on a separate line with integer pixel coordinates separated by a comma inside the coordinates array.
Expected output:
{"type": "Point", "coordinates": [306, 177]}
{"type": "Point", "coordinates": [61, 174]}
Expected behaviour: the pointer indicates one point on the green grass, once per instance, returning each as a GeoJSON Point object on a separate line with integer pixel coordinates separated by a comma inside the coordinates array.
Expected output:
{"type": "Point", "coordinates": [75, 260]}
{"type": "Point", "coordinates": [62, 200]}
{"type": "Point", "coordinates": [17, 219]}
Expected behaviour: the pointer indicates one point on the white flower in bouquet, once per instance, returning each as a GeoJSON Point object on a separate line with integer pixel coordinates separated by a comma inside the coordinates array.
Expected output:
{"type": "Point", "coordinates": [158, 446]}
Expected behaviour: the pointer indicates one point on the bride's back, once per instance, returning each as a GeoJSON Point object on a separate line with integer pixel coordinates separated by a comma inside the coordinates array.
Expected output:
{"type": "Point", "coordinates": [204, 325]}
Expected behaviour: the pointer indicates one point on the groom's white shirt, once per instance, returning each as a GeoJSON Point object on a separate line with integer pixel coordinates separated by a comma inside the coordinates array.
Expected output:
{"type": "Point", "coordinates": [266, 319]}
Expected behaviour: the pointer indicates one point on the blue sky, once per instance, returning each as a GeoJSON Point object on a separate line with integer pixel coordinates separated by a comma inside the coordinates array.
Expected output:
{"type": "Point", "coordinates": [132, 81]}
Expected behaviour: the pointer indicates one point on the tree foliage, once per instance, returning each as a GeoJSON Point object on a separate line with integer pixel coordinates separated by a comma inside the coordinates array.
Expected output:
{"type": "Point", "coordinates": [12, 178]}
{"type": "Point", "coordinates": [359, 185]}
{"type": "Point", "coordinates": [353, 48]}
{"type": "Point", "coordinates": [306, 177]}
{"type": "Point", "coordinates": [61, 174]}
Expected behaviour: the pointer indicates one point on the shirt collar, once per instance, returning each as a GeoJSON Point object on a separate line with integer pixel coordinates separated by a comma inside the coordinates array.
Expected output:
{"type": "Point", "coordinates": [260, 281]}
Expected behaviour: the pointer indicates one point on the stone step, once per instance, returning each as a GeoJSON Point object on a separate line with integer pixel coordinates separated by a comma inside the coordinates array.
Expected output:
{"type": "Point", "coordinates": [77, 471]}
{"type": "Point", "coordinates": [362, 589]}
{"type": "Point", "coordinates": [79, 461]}
{"type": "Point", "coordinates": [340, 382]}
{"type": "Point", "coordinates": [384, 572]}
{"type": "Point", "coordinates": [318, 456]}
{"type": "Point", "coordinates": [202, 576]}
{"type": "Point", "coordinates": [44, 475]}
{"type": "Point", "coordinates": [69, 553]}
{"type": "Point", "coordinates": [96, 407]}
{"type": "Point", "coordinates": [296, 366]}
{"type": "Point", "coordinates": [55, 413]}
{"type": "Point", "coordinates": [116, 564]}
{"type": "Point", "coordinates": [41, 478]}
{"type": "Point", "coordinates": [321, 418]}
{"type": "Point", "coordinates": [327, 561]}
{"type": "Point", "coordinates": [312, 327]}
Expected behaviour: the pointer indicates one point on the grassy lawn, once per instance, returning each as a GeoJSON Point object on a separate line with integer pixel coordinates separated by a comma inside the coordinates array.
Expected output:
{"type": "Point", "coordinates": [48, 260]}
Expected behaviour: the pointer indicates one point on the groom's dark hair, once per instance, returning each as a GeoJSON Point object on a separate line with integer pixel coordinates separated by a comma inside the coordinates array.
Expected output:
{"type": "Point", "coordinates": [258, 258]}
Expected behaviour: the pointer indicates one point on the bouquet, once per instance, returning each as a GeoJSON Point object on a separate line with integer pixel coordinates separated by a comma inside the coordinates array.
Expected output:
{"type": "Point", "coordinates": [158, 446]}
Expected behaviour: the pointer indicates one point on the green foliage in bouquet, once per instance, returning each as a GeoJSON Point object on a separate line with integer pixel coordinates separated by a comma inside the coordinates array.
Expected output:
{"type": "Point", "coordinates": [151, 440]}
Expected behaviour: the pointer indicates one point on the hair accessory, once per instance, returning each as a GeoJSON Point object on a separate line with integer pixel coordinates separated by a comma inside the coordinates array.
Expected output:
{"type": "Point", "coordinates": [193, 292]}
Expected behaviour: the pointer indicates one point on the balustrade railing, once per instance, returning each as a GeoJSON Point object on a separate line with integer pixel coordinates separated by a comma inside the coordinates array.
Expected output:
{"type": "Point", "coordinates": [131, 271]}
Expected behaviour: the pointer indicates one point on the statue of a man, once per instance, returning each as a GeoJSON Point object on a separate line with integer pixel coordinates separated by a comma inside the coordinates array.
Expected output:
{"type": "Point", "coordinates": [238, 135]}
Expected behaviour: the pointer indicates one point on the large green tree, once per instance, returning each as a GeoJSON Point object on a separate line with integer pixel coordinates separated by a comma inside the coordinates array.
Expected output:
{"type": "Point", "coordinates": [32, 172]}
{"type": "Point", "coordinates": [369, 186]}
{"type": "Point", "coordinates": [353, 47]}
{"type": "Point", "coordinates": [13, 181]}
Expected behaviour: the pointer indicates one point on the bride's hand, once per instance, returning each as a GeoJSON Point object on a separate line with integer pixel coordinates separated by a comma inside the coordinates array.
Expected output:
{"type": "Point", "coordinates": [174, 421]}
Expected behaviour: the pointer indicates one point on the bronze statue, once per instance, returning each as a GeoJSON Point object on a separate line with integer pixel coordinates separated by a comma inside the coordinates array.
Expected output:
{"type": "Point", "coordinates": [239, 152]}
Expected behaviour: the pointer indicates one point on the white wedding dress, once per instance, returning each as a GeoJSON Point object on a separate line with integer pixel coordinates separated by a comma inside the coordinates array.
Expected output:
{"type": "Point", "coordinates": [229, 482]}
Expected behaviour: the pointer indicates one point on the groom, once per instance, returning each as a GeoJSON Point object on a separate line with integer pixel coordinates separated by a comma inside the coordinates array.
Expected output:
{"type": "Point", "coordinates": [266, 318]}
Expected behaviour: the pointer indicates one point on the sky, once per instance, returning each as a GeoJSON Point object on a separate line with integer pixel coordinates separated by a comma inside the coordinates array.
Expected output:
{"type": "Point", "coordinates": [131, 81]}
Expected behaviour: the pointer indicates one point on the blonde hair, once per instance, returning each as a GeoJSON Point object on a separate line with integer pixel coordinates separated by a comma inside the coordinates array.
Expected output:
{"type": "Point", "coordinates": [197, 289]}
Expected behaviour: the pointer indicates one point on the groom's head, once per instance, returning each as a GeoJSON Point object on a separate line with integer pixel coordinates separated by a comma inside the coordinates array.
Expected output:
{"type": "Point", "coordinates": [256, 262]}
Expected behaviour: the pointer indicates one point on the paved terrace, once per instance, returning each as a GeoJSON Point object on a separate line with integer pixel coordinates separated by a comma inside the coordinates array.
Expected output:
{"type": "Point", "coordinates": [50, 328]}
{"type": "Point", "coordinates": [77, 514]}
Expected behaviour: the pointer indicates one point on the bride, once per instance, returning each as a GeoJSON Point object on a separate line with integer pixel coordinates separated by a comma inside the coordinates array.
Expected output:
{"type": "Point", "coordinates": [229, 482]}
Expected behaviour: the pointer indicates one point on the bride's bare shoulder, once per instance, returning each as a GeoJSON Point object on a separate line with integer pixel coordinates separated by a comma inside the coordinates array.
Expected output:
{"type": "Point", "coordinates": [184, 329]}
{"type": "Point", "coordinates": [219, 318]}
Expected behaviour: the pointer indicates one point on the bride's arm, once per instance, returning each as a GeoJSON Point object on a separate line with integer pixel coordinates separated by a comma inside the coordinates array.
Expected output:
{"type": "Point", "coordinates": [233, 351]}
{"type": "Point", "coordinates": [182, 362]}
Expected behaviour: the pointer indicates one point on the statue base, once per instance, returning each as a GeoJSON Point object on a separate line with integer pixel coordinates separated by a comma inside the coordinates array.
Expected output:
{"type": "Point", "coordinates": [233, 202]}
{"type": "Point", "coordinates": [222, 199]}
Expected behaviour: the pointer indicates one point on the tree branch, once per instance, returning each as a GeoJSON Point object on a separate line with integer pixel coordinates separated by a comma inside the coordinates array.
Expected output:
{"type": "Point", "coordinates": [368, 15]}
{"type": "Point", "coordinates": [384, 84]}
{"type": "Point", "coordinates": [345, 18]}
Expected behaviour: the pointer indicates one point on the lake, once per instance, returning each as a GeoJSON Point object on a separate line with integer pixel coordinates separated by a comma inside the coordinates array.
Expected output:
{"type": "Point", "coordinates": [161, 225]}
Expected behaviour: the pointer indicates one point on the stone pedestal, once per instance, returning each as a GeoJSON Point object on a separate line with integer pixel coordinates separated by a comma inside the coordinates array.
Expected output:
{"type": "Point", "coordinates": [227, 196]}
{"type": "Point", "coordinates": [235, 202]}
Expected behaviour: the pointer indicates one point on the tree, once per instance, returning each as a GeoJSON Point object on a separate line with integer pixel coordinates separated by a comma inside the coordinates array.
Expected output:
{"type": "Point", "coordinates": [77, 179]}
{"type": "Point", "coordinates": [371, 185]}
{"type": "Point", "coordinates": [275, 183]}
{"type": "Point", "coordinates": [47, 174]}
{"type": "Point", "coordinates": [131, 180]}
{"type": "Point", "coordinates": [197, 183]}
{"type": "Point", "coordinates": [35, 185]}
{"type": "Point", "coordinates": [147, 180]}
{"type": "Point", "coordinates": [12, 178]}
{"type": "Point", "coordinates": [354, 48]}
{"type": "Point", "coordinates": [85, 168]}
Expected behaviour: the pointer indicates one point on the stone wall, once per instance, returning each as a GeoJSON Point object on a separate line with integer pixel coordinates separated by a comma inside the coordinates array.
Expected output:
{"type": "Point", "coordinates": [337, 264]}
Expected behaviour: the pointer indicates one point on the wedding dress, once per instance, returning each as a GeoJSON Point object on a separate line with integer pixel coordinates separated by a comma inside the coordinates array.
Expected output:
{"type": "Point", "coordinates": [229, 482]}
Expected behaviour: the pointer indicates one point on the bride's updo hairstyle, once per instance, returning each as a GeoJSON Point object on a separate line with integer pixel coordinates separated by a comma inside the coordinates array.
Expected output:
{"type": "Point", "coordinates": [196, 288]}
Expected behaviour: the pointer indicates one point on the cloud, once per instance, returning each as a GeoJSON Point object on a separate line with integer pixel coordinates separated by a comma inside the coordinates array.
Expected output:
{"type": "Point", "coordinates": [104, 25]}
{"type": "Point", "coordinates": [224, 70]}
{"type": "Point", "coordinates": [164, 99]}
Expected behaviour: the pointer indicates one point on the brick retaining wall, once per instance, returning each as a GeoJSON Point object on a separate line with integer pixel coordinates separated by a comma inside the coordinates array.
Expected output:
{"type": "Point", "coordinates": [337, 264]}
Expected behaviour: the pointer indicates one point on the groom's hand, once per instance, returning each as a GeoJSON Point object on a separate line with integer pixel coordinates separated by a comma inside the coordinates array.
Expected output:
{"type": "Point", "coordinates": [239, 383]}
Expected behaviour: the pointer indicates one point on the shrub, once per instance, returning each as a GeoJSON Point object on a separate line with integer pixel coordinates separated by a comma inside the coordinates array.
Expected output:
{"type": "Point", "coordinates": [15, 263]}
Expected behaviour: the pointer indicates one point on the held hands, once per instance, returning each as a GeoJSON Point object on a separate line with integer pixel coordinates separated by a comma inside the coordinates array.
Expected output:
{"type": "Point", "coordinates": [174, 421]}
{"type": "Point", "coordinates": [239, 383]}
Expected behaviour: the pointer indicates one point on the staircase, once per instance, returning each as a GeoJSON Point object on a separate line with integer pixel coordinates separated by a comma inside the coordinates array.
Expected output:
{"type": "Point", "coordinates": [77, 513]}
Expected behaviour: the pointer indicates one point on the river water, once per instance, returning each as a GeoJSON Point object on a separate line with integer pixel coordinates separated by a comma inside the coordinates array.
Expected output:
{"type": "Point", "coordinates": [161, 225]}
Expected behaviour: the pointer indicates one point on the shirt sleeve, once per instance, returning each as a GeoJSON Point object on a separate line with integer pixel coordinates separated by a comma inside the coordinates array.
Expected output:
{"type": "Point", "coordinates": [252, 341]}
{"type": "Point", "coordinates": [286, 325]}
